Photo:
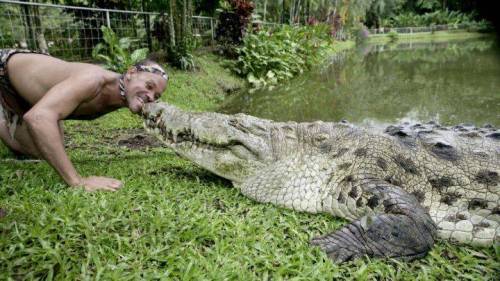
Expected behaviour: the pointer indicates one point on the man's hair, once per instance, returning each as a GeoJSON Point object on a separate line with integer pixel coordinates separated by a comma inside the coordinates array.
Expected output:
{"type": "Point", "coordinates": [145, 62]}
{"type": "Point", "coordinates": [149, 65]}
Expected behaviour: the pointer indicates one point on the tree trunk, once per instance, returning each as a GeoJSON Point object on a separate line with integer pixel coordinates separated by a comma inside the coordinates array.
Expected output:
{"type": "Point", "coordinates": [39, 31]}
{"type": "Point", "coordinates": [147, 26]}
{"type": "Point", "coordinates": [184, 20]}
{"type": "Point", "coordinates": [283, 13]}
{"type": "Point", "coordinates": [190, 18]}
{"type": "Point", "coordinates": [30, 41]}
{"type": "Point", "coordinates": [297, 12]}
{"type": "Point", "coordinates": [308, 11]}
{"type": "Point", "coordinates": [265, 11]}
{"type": "Point", "coordinates": [171, 23]}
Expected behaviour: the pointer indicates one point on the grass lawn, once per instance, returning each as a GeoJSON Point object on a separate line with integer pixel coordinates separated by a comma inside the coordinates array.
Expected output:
{"type": "Point", "coordinates": [173, 220]}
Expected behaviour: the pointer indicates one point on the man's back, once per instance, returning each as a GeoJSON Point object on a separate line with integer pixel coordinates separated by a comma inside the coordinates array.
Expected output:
{"type": "Point", "coordinates": [33, 75]}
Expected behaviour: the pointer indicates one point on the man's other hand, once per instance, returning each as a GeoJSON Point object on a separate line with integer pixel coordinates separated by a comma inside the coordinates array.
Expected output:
{"type": "Point", "coordinates": [100, 183]}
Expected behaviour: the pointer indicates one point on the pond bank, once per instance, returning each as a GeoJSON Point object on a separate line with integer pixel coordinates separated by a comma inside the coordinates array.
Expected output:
{"type": "Point", "coordinates": [207, 87]}
{"type": "Point", "coordinates": [436, 36]}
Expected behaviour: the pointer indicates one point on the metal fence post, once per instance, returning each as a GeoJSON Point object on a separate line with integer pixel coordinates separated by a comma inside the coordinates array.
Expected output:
{"type": "Point", "coordinates": [108, 22]}
{"type": "Point", "coordinates": [212, 28]}
{"type": "Point", "coordinates": [29, 27]}
{"type": "Point", "coordinates": [147, 25]}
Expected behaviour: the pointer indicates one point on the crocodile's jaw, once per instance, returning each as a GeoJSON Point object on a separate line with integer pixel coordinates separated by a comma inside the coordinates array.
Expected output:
{"type": "Point", "coordinates": [228, 146]}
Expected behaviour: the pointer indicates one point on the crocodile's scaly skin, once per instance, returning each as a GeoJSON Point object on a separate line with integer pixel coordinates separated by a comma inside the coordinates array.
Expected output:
{"type": "Point", "coordinates": [400, 186]}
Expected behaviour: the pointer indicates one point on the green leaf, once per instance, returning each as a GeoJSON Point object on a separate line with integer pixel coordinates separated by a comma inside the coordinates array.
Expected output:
{"type": "Point", "coordinates": [139, 55]}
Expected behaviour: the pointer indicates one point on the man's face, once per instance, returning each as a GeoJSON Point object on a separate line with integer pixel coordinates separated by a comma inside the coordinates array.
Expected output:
{"type": "Point", "coordinates": [143, 87]}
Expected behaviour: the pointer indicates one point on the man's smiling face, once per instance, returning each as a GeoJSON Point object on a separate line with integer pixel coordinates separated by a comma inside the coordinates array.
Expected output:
{"type": "Point", "coordinates": [143, 87]}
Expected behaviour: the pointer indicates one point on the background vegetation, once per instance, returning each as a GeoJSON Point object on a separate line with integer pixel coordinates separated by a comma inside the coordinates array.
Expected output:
{"type": "Point", "coordinates": [273, 55]}
{"type": "Point", "coordinates": [373, 13]}
{"type": "Point", "coordinates": [173, 30]}
{"type": "Point", "coordinates": [116, 52]}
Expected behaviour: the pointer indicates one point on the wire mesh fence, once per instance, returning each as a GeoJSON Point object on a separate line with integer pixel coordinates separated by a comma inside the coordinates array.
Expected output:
{"type": "Point", "coordinates": [203, 27]}
{"type": "Point", "coordinates": [72, 32]}
{"type": "Point", "coordinates": [66, 31]}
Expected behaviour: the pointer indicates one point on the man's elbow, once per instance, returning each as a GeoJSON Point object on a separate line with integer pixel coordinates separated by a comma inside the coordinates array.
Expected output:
{"type": "Point", "coordinates": [34, 118]}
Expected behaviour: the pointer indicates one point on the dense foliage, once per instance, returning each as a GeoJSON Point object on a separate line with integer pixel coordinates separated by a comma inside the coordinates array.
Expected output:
{"type": "Point", "coordinates": [373, 13]}
{"type": "Point", "coordinates": [116, 53]}
{"type": "Point", "coordinates": [234, 18]}
{"type": "Point", "coordinates": [270, 56]}
{"type": "Point", "coordinates": [173, 30]}
{"type": "Point", "coordinates": [432, 18]}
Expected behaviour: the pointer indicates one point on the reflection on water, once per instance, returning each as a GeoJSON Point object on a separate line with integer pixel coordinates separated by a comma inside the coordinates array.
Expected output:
{"type": "Point", "coordinates": [453, 82]}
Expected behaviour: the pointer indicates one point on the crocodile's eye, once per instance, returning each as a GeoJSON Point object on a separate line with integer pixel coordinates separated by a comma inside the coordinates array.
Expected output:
{"type": "Point", "coordinates": [318, 138]}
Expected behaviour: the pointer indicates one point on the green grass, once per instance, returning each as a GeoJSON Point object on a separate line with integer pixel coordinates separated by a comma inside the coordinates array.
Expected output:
{"type": "Point", "coordinates": [173, 220]}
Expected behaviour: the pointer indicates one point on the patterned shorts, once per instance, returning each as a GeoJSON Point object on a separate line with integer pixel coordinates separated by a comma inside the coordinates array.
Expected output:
{"type": "Point", "coordinates": [11, 120]}
{"type": "Point", "coordinates": [12, 105]}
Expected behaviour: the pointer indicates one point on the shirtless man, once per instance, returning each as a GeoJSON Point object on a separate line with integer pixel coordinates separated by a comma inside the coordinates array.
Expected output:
{"type": "Point", "coordinates": [38, 91]}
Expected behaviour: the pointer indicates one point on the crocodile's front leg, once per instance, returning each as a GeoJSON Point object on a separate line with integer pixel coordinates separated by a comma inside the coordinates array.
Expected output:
{"type": "Point", "coordinates": [402, 229]}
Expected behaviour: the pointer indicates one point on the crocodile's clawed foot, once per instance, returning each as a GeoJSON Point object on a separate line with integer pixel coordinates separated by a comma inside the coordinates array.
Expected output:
{"type": "Point", "coordinates": [404, 231]}
{"type": "Point", "coordinates": [337, 249]}
{"type": "Point", "coordinates": [385, 235]}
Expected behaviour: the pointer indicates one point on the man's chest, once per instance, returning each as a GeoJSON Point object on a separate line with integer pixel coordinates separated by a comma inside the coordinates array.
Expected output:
{"type": "Point", "coordinates": [90, 109]}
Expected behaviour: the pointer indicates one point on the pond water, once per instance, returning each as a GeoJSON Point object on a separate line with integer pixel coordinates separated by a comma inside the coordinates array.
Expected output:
{"type": "Point", "coordinates": [448, 82]}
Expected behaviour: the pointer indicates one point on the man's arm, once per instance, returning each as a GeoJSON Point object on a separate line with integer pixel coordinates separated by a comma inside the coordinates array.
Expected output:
{"type": "Point", "coordinates": [42, 120]}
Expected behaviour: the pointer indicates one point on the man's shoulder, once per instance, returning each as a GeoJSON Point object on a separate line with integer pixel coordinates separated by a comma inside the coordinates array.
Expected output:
{"type": "Point", "coordinates": [94, 74]}
{"type": "Point", "coordinates": [88, 68]}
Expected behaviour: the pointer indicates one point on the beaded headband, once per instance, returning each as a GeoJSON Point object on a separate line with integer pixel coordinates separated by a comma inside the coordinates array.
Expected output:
{"type": "Point", "coordinates": [152, 69]}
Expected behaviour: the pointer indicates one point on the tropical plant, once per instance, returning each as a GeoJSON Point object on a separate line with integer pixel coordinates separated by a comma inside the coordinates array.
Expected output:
{"type": "Point", "coordinates": [359, 32]}
{"type": "Point", "coordinates": [393, 36]}
{"type": "Point", "coordinates": [173, 31]}
{"type": "Point", "coordinates": [382, 9]}
{"type": "Point", "coordinates": [234, 17]}
{"type": "Point", "coordinates": [116, 53]}
{"type": "Point", "coordinates": [270, 56]}
{"type": "Point", "coordinates": [432, 18]}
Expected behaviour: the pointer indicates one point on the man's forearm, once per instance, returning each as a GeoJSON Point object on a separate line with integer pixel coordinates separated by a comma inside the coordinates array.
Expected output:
{"type": "Point", "coordinates": [46, 136]}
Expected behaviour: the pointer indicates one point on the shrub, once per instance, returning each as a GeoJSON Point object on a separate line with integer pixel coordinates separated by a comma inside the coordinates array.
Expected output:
{"type": "Point", "coordinates": [234, 18]}
{"type": "Point", "coordinates": [359, 32]}
{"type": "Point", "coordinates": [270, 56]}
{"type": "Point", "coordinates": [116, 53]}
{"type": "Point", "coordinates": [438, 17]}
{"type": "Point", "coordinates": [393, 36]}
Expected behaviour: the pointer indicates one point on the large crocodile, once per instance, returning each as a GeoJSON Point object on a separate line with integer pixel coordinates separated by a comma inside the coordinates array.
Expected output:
{"type": "Point", "coordinates": [400, 187]}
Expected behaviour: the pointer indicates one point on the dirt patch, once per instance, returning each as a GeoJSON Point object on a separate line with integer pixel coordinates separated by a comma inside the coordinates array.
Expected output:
{"type": "Point", "coordinates": [3, 213]}
{"type": "Point", "coordinates": [139, 141]}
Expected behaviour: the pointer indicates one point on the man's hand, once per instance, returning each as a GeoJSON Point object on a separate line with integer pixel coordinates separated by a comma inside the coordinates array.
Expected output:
{"type": "Point", "coordinates": [99, 183]}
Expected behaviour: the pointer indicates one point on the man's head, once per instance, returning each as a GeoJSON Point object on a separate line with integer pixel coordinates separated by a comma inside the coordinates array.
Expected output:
{"type": "Point", "coordinates": [144, 82]}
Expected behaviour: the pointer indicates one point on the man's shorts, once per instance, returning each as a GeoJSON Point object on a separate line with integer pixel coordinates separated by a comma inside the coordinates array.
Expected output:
{"type": "Point", "coordinates": [12, 105]}
{"type": "Point", "coordinates": [11, 120]}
